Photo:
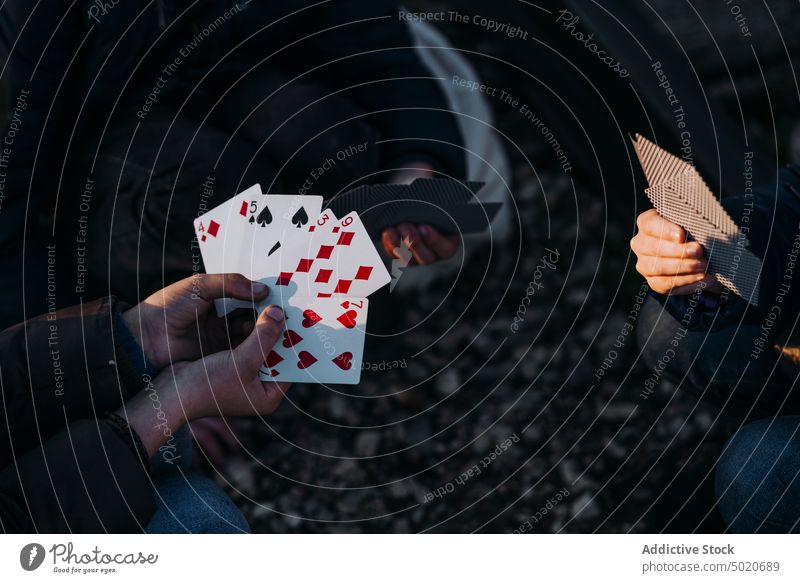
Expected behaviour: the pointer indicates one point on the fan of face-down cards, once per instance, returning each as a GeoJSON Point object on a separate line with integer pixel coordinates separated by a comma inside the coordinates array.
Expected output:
{"type": "Point", "coordinates": [322, 265]}
{"type": "Point", "coordinates": [681, 196]}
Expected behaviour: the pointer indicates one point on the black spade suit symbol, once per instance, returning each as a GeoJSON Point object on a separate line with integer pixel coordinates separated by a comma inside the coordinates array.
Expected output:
{"type": "Point", "coordinates": [300, 218]}
{"type": "Point", "coordinates": [264, 217]}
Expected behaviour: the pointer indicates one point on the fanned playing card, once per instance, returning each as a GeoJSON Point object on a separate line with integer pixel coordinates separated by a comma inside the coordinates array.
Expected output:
{"type": "Point", "coordinates": [681, 196]}
{"type": "Point", "coordinates": [218, 237]}
{"type": "Point", "coordinates": [338, 258]}
{"type": "Point", "coordinates": [321, 280]}
{"type": "Point", "coordinates": [323, 341]}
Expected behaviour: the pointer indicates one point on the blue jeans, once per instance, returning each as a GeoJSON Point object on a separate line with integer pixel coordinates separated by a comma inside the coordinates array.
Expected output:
{"type": "Point", "coordinates": [186, 501]}
{"type": "Point", "coordinates": [758, 477]}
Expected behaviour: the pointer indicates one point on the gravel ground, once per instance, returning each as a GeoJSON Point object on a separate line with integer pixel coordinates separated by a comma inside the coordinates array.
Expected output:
{"type": "Point", "coordinates": [484, 426]}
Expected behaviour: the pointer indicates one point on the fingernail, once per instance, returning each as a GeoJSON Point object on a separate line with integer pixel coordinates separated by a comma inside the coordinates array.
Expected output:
{"type": "Point", "coordinates": [275, 313]}
{"type": "Point", "coordinates": [425, 230]}
{"type": "Point", "coordinates": [259, 287]}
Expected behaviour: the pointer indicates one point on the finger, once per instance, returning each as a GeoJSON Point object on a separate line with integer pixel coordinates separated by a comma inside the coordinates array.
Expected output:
{"type": "Point", "coordinates": [666, 285]}
{"type": "Point", "coordinates": [655, 266]}
{"type": "Point", "coordinates": [240, 324]}
{"type": "Point", "coordinates": [443, 247]}
{"type": "Point", "coordinates": [250, 355]}
{"type": "Point", "coordinates": [207, 443]}
{"type": "Point", "coordinates": [274, 393]}
{"type": "Point", "coordinates": [390, 238]}
{"type": "Point", "coordinates": [227, 285]}
{"type": "Point", "coordinates": [413, 240]}
{"type": "Point", "coordinates": [221, 429]}
{"type": "Point", "coordinates": [247, 327]}
{"type": "Point", "coordinates": [708, 283]}
{"type": "Point", "coordinates": [227, 332]}
{"type": "Point", "coordinates": [226, 433]}
{"type": "Point", "coordinates": [652, 223]}
{"type": "Point", "coordinates": [643, 244]}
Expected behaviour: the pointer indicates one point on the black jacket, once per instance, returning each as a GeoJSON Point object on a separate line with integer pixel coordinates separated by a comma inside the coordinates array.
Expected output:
{"type": "Point", "coordinates": [71, 68]}
{"type": "Point", "coordinates": [63, 468]}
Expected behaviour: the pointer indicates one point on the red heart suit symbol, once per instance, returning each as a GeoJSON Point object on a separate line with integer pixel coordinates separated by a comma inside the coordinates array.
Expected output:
{"type": "Point", "coordinates": [346, 304]}
{"type": "Point", "coordinates": [310, 317]}
{"type": "Point", "coordinates": [305, 359]}
{"type": "Point", "coordinates": [344, 361]}
{"type": "Point", "coordinates": [290, 338]}
{"type": "Point", "coordinates": [273, 358]}
{"type": "Point", "coordinates": [348, 319]}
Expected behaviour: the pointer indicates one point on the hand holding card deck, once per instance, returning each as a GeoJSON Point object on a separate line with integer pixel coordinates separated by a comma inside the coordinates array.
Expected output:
{"type": "Point", "coordinates": [681, 196]}
{"type": "Point", "coordinates": [450, 206]}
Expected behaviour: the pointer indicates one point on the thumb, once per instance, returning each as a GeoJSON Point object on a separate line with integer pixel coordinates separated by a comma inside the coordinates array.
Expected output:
{"type": "Point", "coordinates": [232, 285]}
{"type": "Point", "coordinates": [251, 354]}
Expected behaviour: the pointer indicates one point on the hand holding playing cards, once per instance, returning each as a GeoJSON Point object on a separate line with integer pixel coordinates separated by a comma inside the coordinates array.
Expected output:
{"type": "Point", "coordinates": [222, 384]}
{"type": "Point", "coordinates": [421, 244]}
{"type": "Point", "coordinates": [178, 324]}
{"type": "Point", "coordinates": [670, 264]}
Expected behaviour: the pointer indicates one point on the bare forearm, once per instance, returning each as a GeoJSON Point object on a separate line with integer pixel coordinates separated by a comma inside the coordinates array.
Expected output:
{"type": "Point", "coordinates": [156, 413]}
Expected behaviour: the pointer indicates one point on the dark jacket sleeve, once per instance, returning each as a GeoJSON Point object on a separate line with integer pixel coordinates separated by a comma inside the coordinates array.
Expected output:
{"type": "Point", "coordinates": [61, 367]}
{"type": "Point", "coordinates": [61, 471]}
{"type": "Point", "coordinates": [367, 45]}
{"type": "Point", "coordinates": [87, 478]}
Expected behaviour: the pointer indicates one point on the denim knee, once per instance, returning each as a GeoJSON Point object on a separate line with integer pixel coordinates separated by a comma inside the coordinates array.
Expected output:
{"type": "Point", "coordinates": [757, 482]}
{"type": "Point", "coordinates": [191, 503]}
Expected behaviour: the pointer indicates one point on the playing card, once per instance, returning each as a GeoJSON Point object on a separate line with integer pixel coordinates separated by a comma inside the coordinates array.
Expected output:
{"type": "Point", "coordinates": [323, 341]}
{"type": "Point", "coordinates": [680, 195]}
{"type": "Point", "coordinates": [686, 201]}
{"type": "Point", "coordinates": [450, 206]}
{"type": "Point", "coordinates": [218, 236]}
{"type": "Point", "coordinates": [267, 222]}
{"type": "Point", "coordinates": [338, 259]}
{"type": "Point", "coordinates": [263, 265]}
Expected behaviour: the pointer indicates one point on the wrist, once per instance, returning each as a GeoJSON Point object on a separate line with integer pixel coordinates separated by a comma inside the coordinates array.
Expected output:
{"type": "Point", "coordinates": [135, 327]}
{"type": "Point", "coordinates": [157, 412]}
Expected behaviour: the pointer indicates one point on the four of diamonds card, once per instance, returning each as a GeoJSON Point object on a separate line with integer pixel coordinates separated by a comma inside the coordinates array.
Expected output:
{"type": "Point", "coordinates": [320, 269]}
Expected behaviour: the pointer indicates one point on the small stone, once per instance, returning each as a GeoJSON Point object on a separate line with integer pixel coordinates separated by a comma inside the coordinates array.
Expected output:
{"type": "Point", "coordinates": [569, 471]}
{"type": "Point", "coordinates": [586, 507]}
{"type": "Point", "coordinates": [241, 474]}
{"type": "Point", "coordinates": [367, 443]}
{"type": "Point", "coordinates": [448, 382]}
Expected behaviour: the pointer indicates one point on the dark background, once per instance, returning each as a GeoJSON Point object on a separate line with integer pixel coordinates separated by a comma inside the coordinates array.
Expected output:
{"type": "Point", "coordinates": [364, 460]}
